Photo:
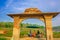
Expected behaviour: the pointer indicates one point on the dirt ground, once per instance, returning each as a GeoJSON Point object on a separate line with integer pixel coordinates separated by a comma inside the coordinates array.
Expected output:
{"type": "Point", "coordinates": [28, 38]}
{"type": "Point", "coordinates": [31, 38]}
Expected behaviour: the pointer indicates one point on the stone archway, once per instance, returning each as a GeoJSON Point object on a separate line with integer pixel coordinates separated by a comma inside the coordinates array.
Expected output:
{"type": "Point", "coordinates": [33, 13]}
{"type": "Point", "coordinates": [30, 26]}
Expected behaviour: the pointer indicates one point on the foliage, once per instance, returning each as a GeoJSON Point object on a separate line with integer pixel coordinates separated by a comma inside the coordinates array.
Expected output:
{"type": "Point", "coordinates": [6, 24]}
{"type": "Point", "coordinates": [25, 29]}
{"type": "Point", "coordinates": [3, 39]}
{"type": "Point", "coordinates": [56, 34]}
{"type": "Point", "coordinates": [8, 32]}
{"type": "Point", "coordinates": [23, 33]}
{"type": "Point", "coordinates": [32, 27]}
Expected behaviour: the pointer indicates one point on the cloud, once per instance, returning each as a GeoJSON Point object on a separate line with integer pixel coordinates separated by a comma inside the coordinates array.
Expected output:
{"type": "Point", "coordinates": [8, 3]}
{"type": "Point", "coordinates": [56, 20]}
{"type": "Point", "coordinates": [53, 3]}
{"type": "Point", "coordinates": [18, 8]}
{"type": "Point", "coordinates": [15, 6]}
{"type": "Point", "coordinates": [58, 10]}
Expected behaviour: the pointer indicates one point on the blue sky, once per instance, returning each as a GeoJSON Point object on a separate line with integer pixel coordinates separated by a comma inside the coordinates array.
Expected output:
{"type": "Point", "coordinates": [18, 6]}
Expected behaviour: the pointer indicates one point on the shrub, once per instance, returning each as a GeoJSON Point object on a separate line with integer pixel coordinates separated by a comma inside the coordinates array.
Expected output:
{"type": "Point", "coordinates": [3, 39]}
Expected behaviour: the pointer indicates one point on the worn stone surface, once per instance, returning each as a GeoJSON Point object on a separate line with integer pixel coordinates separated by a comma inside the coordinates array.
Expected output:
{"type": "Point", "coordinates": [46, 18]}
{"type": "Point", "coordinates": [32, 11]}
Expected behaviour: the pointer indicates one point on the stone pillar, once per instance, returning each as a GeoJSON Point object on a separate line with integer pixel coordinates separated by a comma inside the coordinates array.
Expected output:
{"type": "Point", "coordinates": [16, 28]}
{"type": "Point", "coordinates": [42, 19]}
{"type": "Point", "coordinates": [48, 24]}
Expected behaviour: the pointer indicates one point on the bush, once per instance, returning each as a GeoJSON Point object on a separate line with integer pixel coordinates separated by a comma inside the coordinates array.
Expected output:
{"type": "Point", "coordinates": [56, 34]}
{"type": "Point", "coordinates": [3, 39]}
{"type": "Point", "coordinates": [32, 27]}
{"type": "Point", "coordinates": [23, 33]}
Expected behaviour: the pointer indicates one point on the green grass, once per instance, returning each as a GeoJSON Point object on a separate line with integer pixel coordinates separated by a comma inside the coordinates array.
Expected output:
{"type": "Point", "coordinates": [3, 39]}
{"type": "Point", "coordinates": [8, 33]}
{"type": "Point", "coordinates": [25, 31]}
{"type": "Point", "coordinates": [56, 34]}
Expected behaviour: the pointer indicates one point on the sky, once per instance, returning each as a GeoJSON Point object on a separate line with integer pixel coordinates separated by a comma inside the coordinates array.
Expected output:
{"type": "Point", "coordinates": [18, 6]}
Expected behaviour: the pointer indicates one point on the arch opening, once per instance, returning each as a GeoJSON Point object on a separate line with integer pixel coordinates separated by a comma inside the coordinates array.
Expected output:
{"type": "Point", "coordinates": [31, 25]}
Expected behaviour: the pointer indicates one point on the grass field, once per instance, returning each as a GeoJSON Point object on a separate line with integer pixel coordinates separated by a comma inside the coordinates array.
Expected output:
{"type": "Point", "coordinates": [25, 31]}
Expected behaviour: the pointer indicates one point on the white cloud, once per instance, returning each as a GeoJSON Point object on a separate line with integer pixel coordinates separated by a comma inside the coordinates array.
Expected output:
{"type": "Point", "coordinates": [58, 10]}
{"type": "Point", "coordinates": [8, 3]}
{"type": "Point", "coordinates": [56, 21]}
{"type": "Point", "coordinates": [52, 3]}
{"type": "Point", "coordinates": [16, 8]}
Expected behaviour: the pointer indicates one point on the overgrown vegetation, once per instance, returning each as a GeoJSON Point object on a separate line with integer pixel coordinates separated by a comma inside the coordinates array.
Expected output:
{"type": "Point", "coordinates": [3, 39]}
{"type": "Point", "coordinates": [25, 28]}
